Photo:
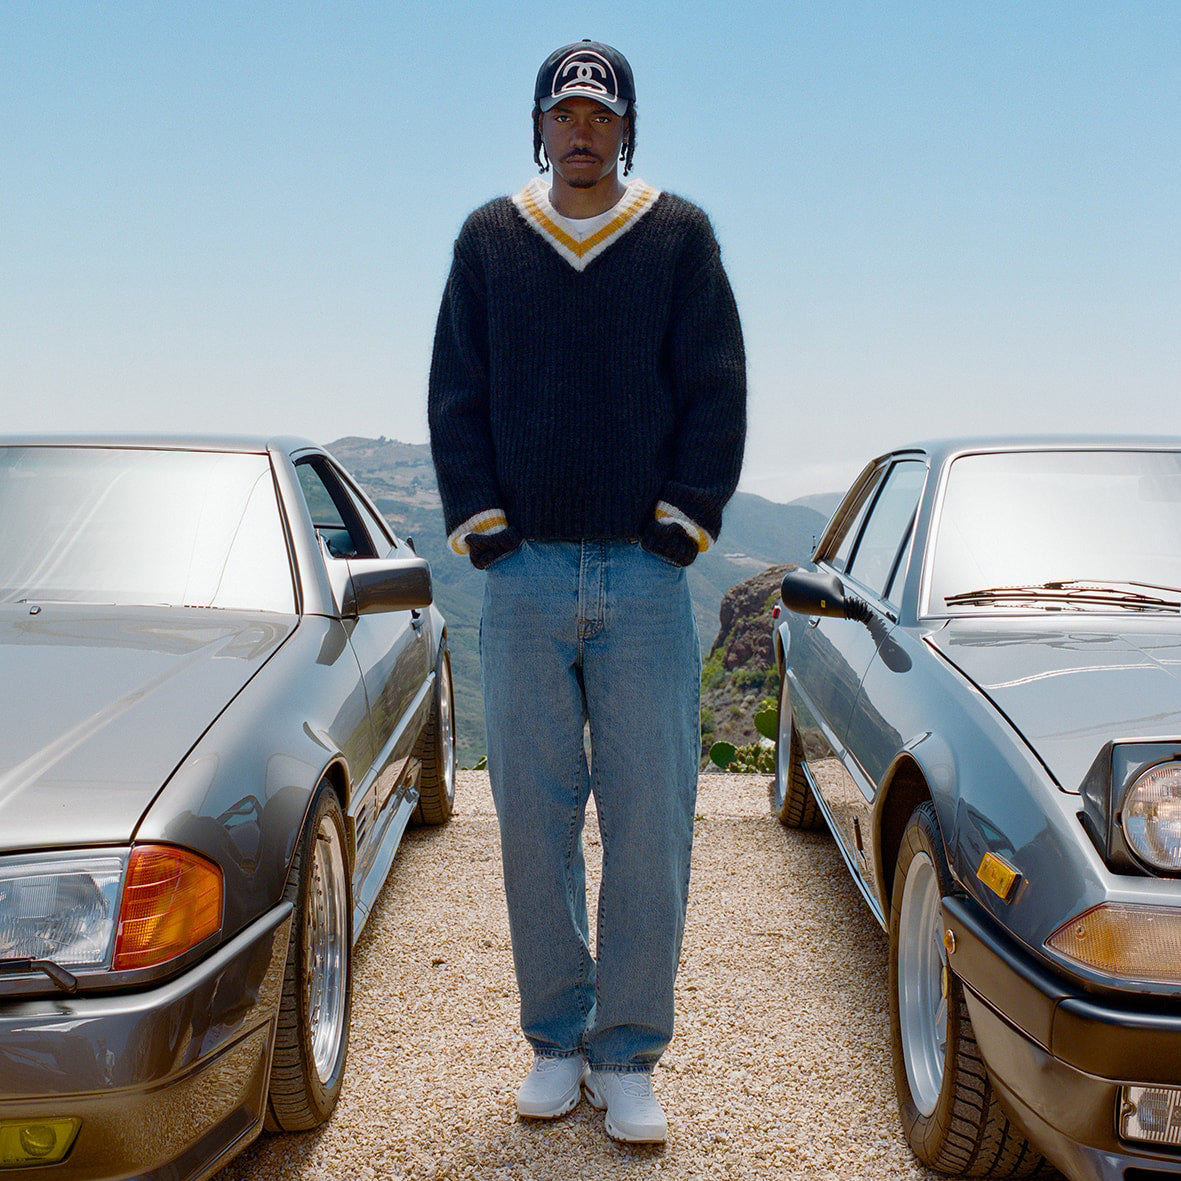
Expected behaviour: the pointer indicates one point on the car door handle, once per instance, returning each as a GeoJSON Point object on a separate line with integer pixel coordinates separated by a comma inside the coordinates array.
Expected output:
{"type": "Point", "coordinates": [813, 620]}
{"type": "Point", "coordinates": [416, 620]}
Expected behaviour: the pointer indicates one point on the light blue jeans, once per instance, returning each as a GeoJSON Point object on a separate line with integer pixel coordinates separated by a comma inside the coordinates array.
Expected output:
{"type": "Point", "coordinates": [599, 632]}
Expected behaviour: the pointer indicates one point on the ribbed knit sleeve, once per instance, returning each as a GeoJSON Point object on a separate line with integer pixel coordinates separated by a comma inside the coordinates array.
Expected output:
{"type": "Point", "coordinates": [458, 399]}
{"type": "Point", "coordinates": [709, 373]}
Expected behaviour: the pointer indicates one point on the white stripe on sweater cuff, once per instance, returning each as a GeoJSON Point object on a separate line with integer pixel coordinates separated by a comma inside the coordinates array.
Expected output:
{"type": "Point", "coordinates": [669, 514]}
{"type": "Point", "coordinates": [490, 520]}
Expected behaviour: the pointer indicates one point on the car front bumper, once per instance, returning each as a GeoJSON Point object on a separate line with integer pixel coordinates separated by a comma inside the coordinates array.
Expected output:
{"type": "Point", "coordinates": [1058, 1056]}
{"type": "Point", "coordinates": [168, 1082]}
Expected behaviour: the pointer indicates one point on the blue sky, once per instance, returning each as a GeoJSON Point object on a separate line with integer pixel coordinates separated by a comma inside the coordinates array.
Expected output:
{"type": "Point", "coordinates": [938, 218]}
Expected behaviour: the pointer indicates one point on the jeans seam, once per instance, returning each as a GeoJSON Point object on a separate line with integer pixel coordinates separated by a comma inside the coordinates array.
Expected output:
{"type": "Point", "coordinates": [571, 838]}
{"type": "Point", "coordinates": [604, 840]}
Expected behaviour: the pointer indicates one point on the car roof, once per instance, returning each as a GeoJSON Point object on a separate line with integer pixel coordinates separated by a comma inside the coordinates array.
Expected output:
{"type": "Point", "coordinates": [942, 450]}
{"type": "Point", "coordinates": [259, 444]}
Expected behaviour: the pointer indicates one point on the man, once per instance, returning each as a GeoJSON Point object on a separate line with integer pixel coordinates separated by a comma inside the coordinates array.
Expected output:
{"type": "Point", "coordinates": [587, 411]}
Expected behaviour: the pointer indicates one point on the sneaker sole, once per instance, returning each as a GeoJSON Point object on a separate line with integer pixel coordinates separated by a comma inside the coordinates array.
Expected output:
{"type": "Point", "coordinates": [625, 1138]}
{"type": "Point", "coordinates": [566, 1106]}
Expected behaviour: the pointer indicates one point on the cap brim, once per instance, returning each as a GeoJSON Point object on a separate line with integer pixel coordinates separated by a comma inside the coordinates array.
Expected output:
{"type": "Point", "coordinates": [616, 106]}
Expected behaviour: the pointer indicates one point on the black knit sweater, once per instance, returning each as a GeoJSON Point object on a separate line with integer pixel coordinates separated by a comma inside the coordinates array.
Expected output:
{"type": "Point", "coordinates": [576, 401]}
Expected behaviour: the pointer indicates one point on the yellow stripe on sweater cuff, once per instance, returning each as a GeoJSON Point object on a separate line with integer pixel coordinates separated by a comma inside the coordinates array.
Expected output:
{"type": "Point", "coordinates": [491, 520]}
{"type": "Point", "coordinates": [669, 514]}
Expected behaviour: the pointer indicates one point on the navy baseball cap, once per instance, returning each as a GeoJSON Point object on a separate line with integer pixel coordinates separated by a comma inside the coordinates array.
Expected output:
{"type": "Point", "coordinates": [586, 69]}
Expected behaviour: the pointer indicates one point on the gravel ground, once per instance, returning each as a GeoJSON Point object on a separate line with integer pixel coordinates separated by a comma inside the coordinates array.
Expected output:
{"type": "Point", "coordinates": [780, 1066]}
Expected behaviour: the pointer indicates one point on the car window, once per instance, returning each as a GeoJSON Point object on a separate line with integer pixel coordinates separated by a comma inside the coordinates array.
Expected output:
{"type": "Point", "coordinates": [334, 513]}
{"type": "Point", "coordinates": [854, 520]}
{"type": "Point", "coordinates": [878, 552]}
{"type": "Point", "coordinates": [378, 530]}
{"type": "Point", "coordinates": [1036, 518]}
{"type": "Point", "coordinates": [140, 526]}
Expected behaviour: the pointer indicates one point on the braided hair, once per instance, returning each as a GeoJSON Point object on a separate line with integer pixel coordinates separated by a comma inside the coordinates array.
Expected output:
{"type": "Point", "coordinates": [626, 153]}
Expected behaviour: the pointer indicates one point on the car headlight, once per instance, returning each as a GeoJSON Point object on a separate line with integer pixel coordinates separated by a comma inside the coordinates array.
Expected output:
{"type": "Point", "coordinates": [1151, 816]}
{"type": "Point", "coordinates": [60, 908]}
{"type": "Point", "coordinates": [119, 910]}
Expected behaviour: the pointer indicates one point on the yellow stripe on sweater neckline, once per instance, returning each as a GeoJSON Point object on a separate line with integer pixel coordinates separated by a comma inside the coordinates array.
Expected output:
{"type": "Point", "coordinates": [534, 205]}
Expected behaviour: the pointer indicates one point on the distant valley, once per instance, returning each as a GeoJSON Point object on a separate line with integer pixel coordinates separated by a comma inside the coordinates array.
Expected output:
{"type": "Point", "coordinates": [400, 477]}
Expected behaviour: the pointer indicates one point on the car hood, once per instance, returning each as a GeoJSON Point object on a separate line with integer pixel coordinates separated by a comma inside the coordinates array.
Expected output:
{"type": "Point", "coordinates": [1069, 690]}
{"type": "Point", "coordinates": [101, 704]}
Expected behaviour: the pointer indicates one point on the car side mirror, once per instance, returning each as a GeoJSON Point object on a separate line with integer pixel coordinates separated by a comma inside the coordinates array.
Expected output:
{"type": "Point", "coordinates": [389, 584]}
{"type": "Point", "coordinates": [816, 592]}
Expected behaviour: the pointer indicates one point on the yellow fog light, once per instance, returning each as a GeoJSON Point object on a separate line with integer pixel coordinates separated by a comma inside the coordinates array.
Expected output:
{"type": "Point", "coordinates": [1152, 1114]}
{"type": "Point", "coordinates": [1124, 940]}
{"type": "Point", "coordinates": [25, 1142]}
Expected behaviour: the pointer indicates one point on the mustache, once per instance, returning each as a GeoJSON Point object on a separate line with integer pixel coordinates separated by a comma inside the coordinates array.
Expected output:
{"type": "Point", "coordinates": [581, 156]}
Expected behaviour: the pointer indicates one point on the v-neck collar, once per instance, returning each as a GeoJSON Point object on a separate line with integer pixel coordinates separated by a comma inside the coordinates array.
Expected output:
{"type": "Point", "coordinates": [534, 205]}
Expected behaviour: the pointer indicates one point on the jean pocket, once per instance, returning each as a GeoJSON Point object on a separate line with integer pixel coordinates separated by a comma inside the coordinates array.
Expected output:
{"type": "Point", "coordinates": [501, 559]}
{"type": "Point", "coordinates": [662, 559]}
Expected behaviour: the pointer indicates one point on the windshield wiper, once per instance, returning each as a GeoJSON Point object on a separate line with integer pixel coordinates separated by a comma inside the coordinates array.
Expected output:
{"type": "Point", "coordinates": [66, 981]}
{"type": "Point", "coordinates": [1072, 594]}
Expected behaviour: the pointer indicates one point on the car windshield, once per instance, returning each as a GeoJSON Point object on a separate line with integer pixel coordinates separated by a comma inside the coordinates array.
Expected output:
{"type": "Point", "coordinates": [1059, 530]}
{"type": "Point", "coordinates": [141, 526]}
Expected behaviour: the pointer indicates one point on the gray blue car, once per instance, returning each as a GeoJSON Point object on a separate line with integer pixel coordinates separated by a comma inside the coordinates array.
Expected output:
{"type": "Point", "coordinates": [981, 699]}
{"type": "Point", "coordinates": [227, 693]}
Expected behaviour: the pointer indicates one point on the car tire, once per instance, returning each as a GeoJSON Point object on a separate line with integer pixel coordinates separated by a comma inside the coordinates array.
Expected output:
{"type": "Point", "coordinates": [950, 1113]}
{"type": "Point", "coordinates": [311, 1043]}
{"type": "Point", "coordinates": [791, 795]}
{"type": "Point", "coordinates": [436, 751]}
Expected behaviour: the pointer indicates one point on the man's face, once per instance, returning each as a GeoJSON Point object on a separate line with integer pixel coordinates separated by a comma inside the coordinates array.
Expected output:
{"type": "Point", "coordinates": [582, 139]}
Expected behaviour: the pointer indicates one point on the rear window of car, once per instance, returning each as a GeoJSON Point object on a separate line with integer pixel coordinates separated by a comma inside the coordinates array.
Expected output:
{"type": "Point", "coordinates": [142, 526]}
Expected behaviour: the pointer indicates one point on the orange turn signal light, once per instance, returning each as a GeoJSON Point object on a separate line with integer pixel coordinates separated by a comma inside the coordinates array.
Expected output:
{"type": "Point", "coordinates": [1127, 940]}
{"type": "Point", "coordinates": [999, 876]}
{"type": "Point", "coordinates": [172, 900]}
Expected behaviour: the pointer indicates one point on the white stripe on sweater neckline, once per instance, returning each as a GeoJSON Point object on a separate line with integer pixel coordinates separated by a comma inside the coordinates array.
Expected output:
{"type": "Point", "coordinates": [581, 241]}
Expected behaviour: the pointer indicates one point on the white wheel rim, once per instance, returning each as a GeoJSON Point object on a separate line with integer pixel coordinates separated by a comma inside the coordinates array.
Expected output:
{"type": "Point", "coordinates": [326, 970]}
{"type": "Point", "coordinates": [446, 733]}
{"type": "Point", "coordinates": [922, 1001]}
{"type": "Point", "coordinates": [782, 750]}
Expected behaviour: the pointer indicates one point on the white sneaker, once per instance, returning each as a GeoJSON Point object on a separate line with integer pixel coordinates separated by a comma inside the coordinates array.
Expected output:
{"type": "Point", "coordinates": [553, 1087]}
{"type": "Point", "coordinates": [634, 1113]}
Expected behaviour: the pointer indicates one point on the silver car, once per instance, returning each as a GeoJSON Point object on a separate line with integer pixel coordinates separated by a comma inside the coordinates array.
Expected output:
{"type": "Point", "coordinates": [226, 694]}
{"type": "Point", "coordinates": [981, 698]}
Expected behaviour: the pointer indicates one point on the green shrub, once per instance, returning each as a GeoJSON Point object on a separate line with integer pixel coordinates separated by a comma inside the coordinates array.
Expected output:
{"type": "Point", "coordinates": [708, 728]}
{"type": "Point", "coordinates": [756, 757]}
{"type": "Point", "coordinates": [765, 679]}
{"type": "Point", "coordinates": [712, 670]}
{"type": "Point", "coordinates": [767, 718]}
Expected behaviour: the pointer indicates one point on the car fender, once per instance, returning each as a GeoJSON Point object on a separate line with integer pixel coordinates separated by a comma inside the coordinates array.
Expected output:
{"type": "Point", "coordinates": [991, 795]}
{"type": "Point", "coordinates": [241, 794]}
